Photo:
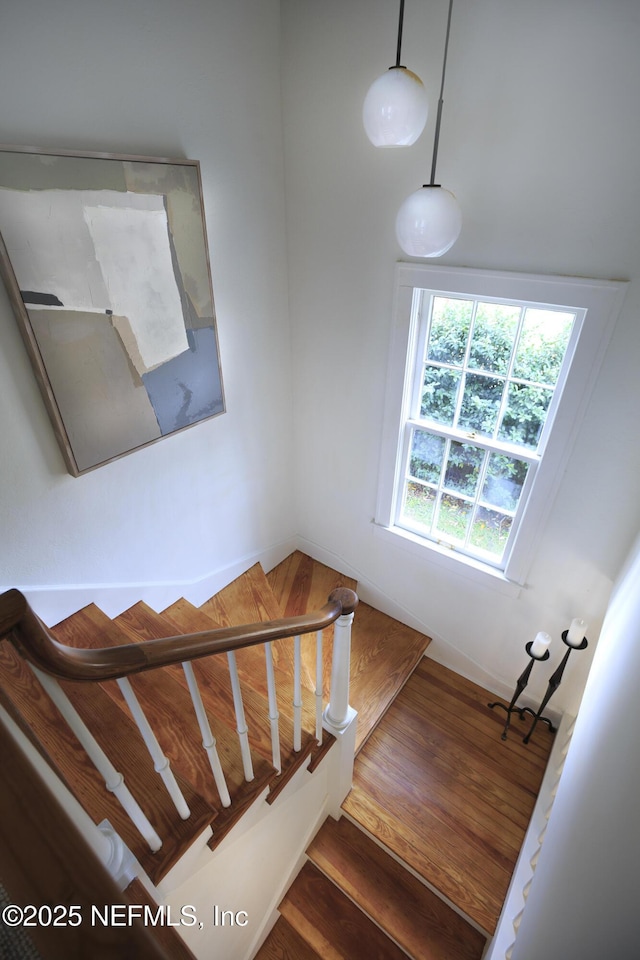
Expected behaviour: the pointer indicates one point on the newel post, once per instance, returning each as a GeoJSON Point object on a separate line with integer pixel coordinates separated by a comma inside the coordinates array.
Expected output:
{"type": "Point", "coordinates": [339, 718]}
{"type": "Point", "coordinates": [337, 712]}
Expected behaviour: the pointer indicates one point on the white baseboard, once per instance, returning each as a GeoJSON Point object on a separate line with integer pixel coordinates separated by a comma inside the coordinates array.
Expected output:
{"type": "Point", "coordinates": [54, 602]}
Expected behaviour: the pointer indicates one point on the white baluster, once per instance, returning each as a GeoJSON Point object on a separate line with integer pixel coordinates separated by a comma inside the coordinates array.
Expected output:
{"type": "Point", "coordinates": [208, 739]}
{"type": "Point", "coordinates": [114, 781]}
{"type": "Point", "coordinates": [297, 695]}
{"type": "Point", "coordinates": [160, 762]}
{"type": "Point", "coordinates": [243, 730]}
{"type": "Point", "coordinates": [337, 713]}
{"type": "Point", "coordinates": [107, 845]}
{"type": "Point", "coordinates": [319, 672]}
{"type": "Point", "coordinates": [273, 709]}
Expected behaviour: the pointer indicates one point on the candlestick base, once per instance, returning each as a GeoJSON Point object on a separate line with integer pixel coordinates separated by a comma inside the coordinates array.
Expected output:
{"type": "Point", "coordinates": [546, 720]}
{"type": "Point", "coordinates": [523, 679]}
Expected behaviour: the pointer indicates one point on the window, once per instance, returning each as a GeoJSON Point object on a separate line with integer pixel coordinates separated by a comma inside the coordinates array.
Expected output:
{"type": "Point", "coordinates": [488, 374]}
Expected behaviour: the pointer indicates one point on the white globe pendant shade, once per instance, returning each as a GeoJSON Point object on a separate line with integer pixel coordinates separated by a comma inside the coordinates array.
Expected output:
{"type": "Point", "coordinates": [428, 222]}
{"type": "Point", "coordinates": [395, 109]}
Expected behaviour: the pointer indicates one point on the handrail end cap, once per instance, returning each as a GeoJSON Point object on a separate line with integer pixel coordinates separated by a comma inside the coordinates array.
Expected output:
{"type": "Point", "coordinates": [348, 599]}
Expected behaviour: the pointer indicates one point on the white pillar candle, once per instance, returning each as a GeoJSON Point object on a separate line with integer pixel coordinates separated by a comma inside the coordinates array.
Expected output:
{"type": "Point", "coordinates": [576, 632]}
{"type": "Point", "coordinates": [540, 645]}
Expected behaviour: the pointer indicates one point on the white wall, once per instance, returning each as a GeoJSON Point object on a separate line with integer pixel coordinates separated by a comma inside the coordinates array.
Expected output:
{"type": "Point", "coordinates": [192, 78]}
{"type": "Point", "coordinates": [583, 903]}
{"type": "Point", "coordinates": [539, 144]}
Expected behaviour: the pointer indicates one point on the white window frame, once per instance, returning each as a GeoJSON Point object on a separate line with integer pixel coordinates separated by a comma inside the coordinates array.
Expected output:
{"type": "Point", "coordinates": [596, 304]}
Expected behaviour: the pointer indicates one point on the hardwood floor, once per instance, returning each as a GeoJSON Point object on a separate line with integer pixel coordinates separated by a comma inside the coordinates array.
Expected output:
{"type": "Point", "coordinates": [437, 785]}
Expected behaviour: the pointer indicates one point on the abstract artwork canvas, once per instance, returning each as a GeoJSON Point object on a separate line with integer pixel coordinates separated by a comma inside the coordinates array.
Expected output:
{"type": "Point", "coordinates": [106, 263]}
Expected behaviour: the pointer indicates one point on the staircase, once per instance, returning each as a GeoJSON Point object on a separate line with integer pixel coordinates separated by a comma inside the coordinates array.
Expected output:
{"type": "Point", "coordinates": [354, 896]}
{"type": "Point", "coordinates": [352, 899]}
{"type": "Point", "coordinates": [164, 697]}
{"type": "Point", "coordinates": [421, 860]}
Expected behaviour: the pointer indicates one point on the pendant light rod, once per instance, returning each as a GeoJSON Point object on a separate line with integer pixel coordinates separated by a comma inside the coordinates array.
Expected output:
{"type": "Point", "coordinates": [395, 109]}
{"type": "Point", "coordinates": [400, 22]}
{"type": "Point", "coordinates": [440, 101]}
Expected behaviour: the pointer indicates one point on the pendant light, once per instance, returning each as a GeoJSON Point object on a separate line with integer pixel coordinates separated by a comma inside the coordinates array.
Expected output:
{"type": "Point", "coordinates": [396, 107]}
{"type": "Point", "coordinates": [429, 221]}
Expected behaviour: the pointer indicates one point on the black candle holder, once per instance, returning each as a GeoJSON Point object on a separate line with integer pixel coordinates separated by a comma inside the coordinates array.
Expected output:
{"type": "Point", "coordinates": [554, 682]}
{"type": "Point", "coordinates": [523, 680]}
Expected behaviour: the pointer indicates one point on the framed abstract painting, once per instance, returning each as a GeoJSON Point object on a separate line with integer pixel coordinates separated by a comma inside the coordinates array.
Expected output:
{"type": "Point", "coordinates": [106, 264]}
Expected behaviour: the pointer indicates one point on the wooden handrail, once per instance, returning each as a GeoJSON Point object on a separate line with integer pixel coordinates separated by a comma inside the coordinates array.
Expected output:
{"type": "Point", "coordinates": [20, 624]}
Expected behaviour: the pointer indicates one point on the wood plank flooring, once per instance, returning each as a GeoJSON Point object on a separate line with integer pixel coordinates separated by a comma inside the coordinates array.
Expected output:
{"type": "Point", "coordinates": [437, 785]}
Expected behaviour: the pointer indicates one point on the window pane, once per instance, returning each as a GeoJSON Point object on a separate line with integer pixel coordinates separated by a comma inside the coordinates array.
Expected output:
{"type": "Point", "coordinates": [463, 468]}
{"type": "Point", "coordinates": [481, 403]}
{"type": "Point", "coordinates": [490, 531]}
{"type": "Point", "coordinates": [450, 322]}
{"type": "Point", "coordinates": [418, 505]}
{"type": "Point", "coordinates": [453, 517]}
{"type": "Point", "coordinates": [427, 452]}
{"type": "Point", "coordinates": [439, 394]}
{"type": "Point", "coordinates": [525, 414]}
{"type": "Point", "coordinates": [504, 481]}
{"type": "Point", "coordinates": [543, 341]}
{"type": "Point", "coordinates": [494, 331]}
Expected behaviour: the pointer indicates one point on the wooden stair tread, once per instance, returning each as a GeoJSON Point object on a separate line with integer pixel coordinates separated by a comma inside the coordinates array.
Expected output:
{"type": "Point", "coordinates": [285, 943]}
{"type": "Point", "coordinates": [330, 923]}
{"type": "Point", "coordinates": [250, 661]}
{"type": "Point", "coordinates": [187, 618]}
{"type": "Point", "coordinates": [212, 674]}
{"type": "Point", "coordinates": [423, 924]}
{"type": "Point", "coordinates": [301, 584]}
{"type": "Point", "coordinates": [384, 652]}
{"type": "Point", "coordinates": [249, 599]}
{"type": "Point", "coordinates": [438, 787]}
{"type": "Point", "coordinates": [120, 740]}
{"type": "Point", "coordinates": [252, 672]}
{"type": "Point", "coordinates": [167, 704]}
{"type": "Point", "coordinates": [438, 864]}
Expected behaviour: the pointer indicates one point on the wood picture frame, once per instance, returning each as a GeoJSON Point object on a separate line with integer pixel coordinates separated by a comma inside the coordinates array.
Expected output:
{"type": "Point", "coordinates": [106, 264]}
